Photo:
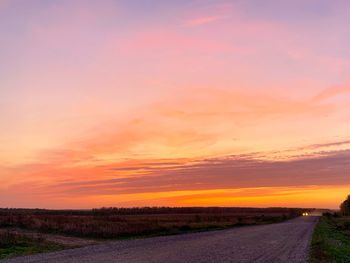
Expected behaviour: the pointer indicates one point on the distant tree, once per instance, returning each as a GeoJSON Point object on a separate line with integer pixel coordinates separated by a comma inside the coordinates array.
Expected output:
{"type": "Point", "coordinates": [345, 207]}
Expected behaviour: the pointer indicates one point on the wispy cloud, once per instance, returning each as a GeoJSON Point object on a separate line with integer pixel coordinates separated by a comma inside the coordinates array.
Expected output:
{"type": "Point", "coordinates": [327, 145]}
{"type": "Point", "coordinates": [327, 168]}
{"type": "Point", "coordinates": [332, 92]}
{"type": "Point", "coordinates": [221, 179]}
{"type": "Point", "coordinates": [202, 20]}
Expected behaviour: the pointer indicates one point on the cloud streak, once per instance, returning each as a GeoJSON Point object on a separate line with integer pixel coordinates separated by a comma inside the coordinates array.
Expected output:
{"type": "Point", "coordinates": [330, 168]}
{"type": "Point", "coordinates": [203, 20]}
{"type": "Point", "coordinates": [224, 179]}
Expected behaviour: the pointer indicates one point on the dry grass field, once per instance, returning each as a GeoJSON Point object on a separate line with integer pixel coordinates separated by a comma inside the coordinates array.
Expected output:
{"type": "Point", "coordinates": [135, 222]}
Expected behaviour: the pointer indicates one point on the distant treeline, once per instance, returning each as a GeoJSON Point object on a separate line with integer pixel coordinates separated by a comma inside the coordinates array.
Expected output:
{"type": "Point", "coordinates": [191, 210]}
{"type": "Point", "coordinates": [106, 211]}
{"type": "Point", "coordinates": [25, 211]}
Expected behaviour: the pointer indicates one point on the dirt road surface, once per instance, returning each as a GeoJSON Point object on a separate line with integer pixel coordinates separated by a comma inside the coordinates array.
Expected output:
{"type": "Point", "coordinates": [287, 242]}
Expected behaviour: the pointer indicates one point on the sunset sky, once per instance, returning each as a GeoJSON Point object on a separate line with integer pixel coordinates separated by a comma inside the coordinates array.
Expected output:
{"type": "Point", "coordinates": [174, 103]}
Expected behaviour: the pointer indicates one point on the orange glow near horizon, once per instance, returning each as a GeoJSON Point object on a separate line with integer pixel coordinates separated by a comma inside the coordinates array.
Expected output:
{"type": "Point", "coordinates": [183, 103]}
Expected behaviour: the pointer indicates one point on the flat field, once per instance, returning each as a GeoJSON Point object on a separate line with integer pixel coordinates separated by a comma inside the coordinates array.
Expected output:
{"type": "Point", "coordinates": [123, 223]}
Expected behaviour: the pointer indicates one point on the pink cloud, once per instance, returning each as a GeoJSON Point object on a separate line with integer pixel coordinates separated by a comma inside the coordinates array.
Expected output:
{"type": "Point", "coordinates": [202, 20]}
{"type": "Point", "coordinates": [171, 41]}
{"type": "Point", "coordinates": [332, 92]}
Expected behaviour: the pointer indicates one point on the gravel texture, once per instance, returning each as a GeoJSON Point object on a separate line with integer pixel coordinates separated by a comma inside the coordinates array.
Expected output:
{"type": "Point", "coordinates": [283, 242]}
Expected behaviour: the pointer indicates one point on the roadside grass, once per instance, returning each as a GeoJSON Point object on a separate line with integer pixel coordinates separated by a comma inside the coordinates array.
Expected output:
{"type": "Point", "coordinates": [331, 242]}
{"type": "Point", "coordinates": [12, 245]}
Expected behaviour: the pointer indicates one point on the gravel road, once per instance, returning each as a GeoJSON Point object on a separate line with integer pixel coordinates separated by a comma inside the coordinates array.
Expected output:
{"type": "Point", "coordinates": [283, 242]}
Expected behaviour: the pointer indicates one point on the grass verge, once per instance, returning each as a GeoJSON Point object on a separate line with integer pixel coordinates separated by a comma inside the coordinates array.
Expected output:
{"type": "Point", "coordinates": [330, 243]}
{"type": "Point", "coordinates": [12, 245]}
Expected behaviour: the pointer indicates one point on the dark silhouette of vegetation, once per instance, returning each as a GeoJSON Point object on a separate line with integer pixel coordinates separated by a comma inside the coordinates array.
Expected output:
{"type": "Point", "coordinates": [345, 207]}
{"type": "Point", "coordinates": [151, 210]}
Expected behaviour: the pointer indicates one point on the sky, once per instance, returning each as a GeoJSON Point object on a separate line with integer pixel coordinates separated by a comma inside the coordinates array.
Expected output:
{"type": "Point", "coordinates": [174, 103]}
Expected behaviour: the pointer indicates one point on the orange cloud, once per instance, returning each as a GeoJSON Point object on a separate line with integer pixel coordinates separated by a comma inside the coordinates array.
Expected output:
{"type": "Point", "coordinates": [170, 147]}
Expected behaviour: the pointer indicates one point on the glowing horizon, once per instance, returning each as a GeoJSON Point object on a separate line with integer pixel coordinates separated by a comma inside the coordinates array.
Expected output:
{"type": "Point", "coordinates": [174, 103]}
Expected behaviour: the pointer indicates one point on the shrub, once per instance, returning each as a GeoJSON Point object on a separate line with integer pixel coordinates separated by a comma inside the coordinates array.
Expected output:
{"type": "Point", "coordinates": [345, 206]}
